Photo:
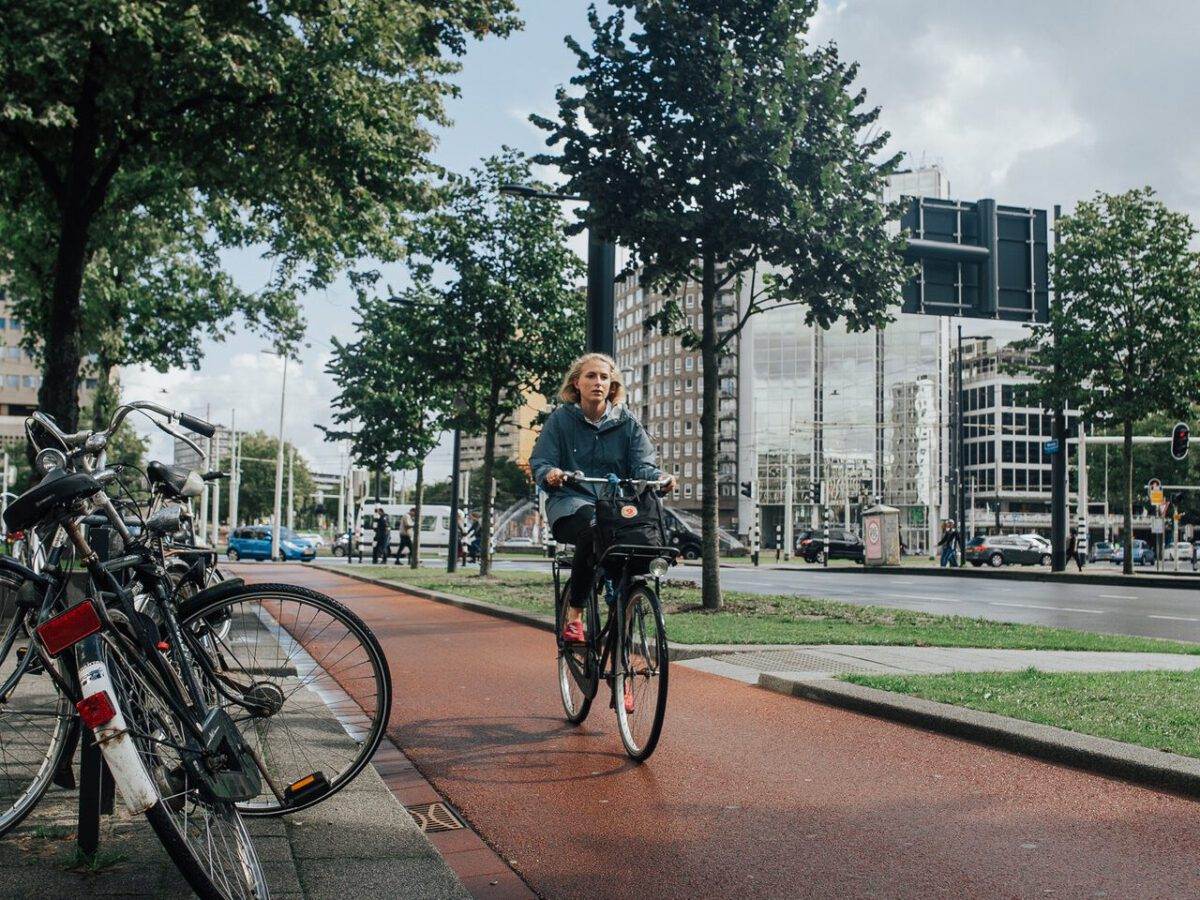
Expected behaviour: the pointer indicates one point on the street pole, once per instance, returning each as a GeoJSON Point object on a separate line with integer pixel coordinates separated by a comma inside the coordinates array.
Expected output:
{"type": "Point", "coordinates": [959, 446]}
{"type": "Point", "coordinates": [216, 492]}
{"type": "Point", "coordinates": [455, 464]}
{"type": "Point", "coordinates": [1081, 536]}
{"type": "Point", "coordinates": [789, 491]}
{"type": "Point", "coordinates": [825, 521]}
{"type": "Point", "coordinates": [291, 513]}
{"type": "Point", "coordinates": [234, 463]}
{"type": "Point", "coordinates": [1058, 463]}
{"type": "Point", "coordinates": [276, 509]}
{"type": "Point", "coordinates": [602, 275]}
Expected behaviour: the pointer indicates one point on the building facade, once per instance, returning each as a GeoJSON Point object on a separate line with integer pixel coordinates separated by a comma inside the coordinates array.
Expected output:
{"type": "Point", "coordinates": [514, 441]}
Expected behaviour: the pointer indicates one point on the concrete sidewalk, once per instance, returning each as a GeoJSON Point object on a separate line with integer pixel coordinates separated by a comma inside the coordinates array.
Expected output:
{"type": "Point", "coordinates": [747, 663]}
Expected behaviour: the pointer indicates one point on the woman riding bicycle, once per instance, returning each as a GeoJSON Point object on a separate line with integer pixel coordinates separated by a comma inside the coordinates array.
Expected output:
{"type": "Point", "coordinates": [593, 432]}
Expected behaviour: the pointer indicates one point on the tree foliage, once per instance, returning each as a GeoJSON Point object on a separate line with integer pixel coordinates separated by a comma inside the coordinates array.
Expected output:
{"type": "Point", "coordinates": [512, 484]}
{"type": "Point", "coordinates": [256, 494]}
{"type": "Point", "coordinates": [715, 145]}
{"type": "Point", "coordinates": [1125, 333]}
{"type": "Point", "coordinates": [301, 130]}
{"type": "Point", "coordinates": [507, 310]}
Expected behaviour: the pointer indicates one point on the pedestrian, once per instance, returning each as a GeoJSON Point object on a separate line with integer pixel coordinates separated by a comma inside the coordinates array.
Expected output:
{"type": "Point", "coordinates": [382, 533]}
{"type": "Point", "coordinates": [949, 545]}
{"type": "Point", "coordinates": [405, 525]}
{"type": "Point", "coordinates": [474, 536]}
{"type": "Point", "coordinates": [1073, 551]}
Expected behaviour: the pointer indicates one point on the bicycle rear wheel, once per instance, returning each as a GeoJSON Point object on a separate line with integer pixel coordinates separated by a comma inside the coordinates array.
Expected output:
{"type": "Point", "coordinates": [304, 679]}
{"type": "Point", "coordinates": [574, 666]}
{"type": "Point", "coordinates": [205, 837]}
{"type": "Point", "coordinates": [643, 667]}
{"type": "Point", "coordinates": [35, 718]}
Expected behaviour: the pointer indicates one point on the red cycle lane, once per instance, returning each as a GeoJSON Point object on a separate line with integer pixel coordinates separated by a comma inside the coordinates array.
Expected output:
{"type": "Point", "coordinates": [749, 793]}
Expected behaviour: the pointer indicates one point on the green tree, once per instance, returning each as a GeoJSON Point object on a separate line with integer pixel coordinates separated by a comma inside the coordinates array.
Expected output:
{"type": "Point", "coordinates": [719, 148]}
{"type": "Point", "coordinates": [508, 310]}
{"type": "Point", "coordinates": [512, 484]}
{"type": "Point", "coordinates": [392, 393]}
{"type": "Point", "coordinates": [303, 130]}
{"type": "Point", "coordinates": [1123, 338]}
{"type": "Point", "coordinates": [256, 494]}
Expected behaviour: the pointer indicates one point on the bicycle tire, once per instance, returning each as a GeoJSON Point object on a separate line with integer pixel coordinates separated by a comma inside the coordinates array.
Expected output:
{"type": "Point", "coordinates": [360, 711]}
{"type": "Point", "coordinates": [576, 701]}
{"type": "Point", "coordinates": [225, 867]}
{"type": "Point", "coordinates": [35, 721]}
{"type": "Point", "coordinates": [645, 635]}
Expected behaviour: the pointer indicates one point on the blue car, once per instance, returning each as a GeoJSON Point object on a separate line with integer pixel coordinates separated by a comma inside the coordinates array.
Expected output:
{"type": "Point", "coordinates": [254, 542]}
{"type": "Point", "coordinates": [1143, 553]}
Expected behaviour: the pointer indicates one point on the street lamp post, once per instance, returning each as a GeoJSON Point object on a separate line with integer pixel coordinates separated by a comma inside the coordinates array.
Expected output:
{"type": "Point", "coordinates": [277, 508]}
{"type": "Point", "coordinates": [602, 274]}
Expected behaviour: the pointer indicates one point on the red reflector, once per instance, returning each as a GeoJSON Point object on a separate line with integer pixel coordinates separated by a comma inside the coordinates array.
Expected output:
{"type": "Point", "coordinates": [69, 628]}
{"type": "Point", "coordinates": [163, 646]}
{"type": "Point", "coordinates": [96, 710]}
{"type": "Point", "coordinates": [16, 535]}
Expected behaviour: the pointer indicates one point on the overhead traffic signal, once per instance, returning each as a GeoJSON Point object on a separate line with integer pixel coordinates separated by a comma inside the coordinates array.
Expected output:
{"type": "Point", "coordinates": [747, 489]}
{"type": "Point", "coordinates": [1179, 440]}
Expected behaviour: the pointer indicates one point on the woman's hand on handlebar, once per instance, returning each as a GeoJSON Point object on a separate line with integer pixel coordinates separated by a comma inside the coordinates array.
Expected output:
{"type": "Point", "coordinates": [555, 477]}
{"type": "Point", "coordinates": [667, 484]}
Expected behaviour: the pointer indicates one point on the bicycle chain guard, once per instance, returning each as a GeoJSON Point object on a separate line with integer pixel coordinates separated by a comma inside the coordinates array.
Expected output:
{"type": "Point", "coordinates": [235, 777]}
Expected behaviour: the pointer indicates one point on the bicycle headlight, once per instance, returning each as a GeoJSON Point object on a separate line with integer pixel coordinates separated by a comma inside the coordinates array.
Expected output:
{"type": "Point", "coordinates": [658, 567]}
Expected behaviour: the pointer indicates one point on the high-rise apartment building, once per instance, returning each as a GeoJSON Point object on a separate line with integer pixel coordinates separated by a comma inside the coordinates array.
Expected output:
{"type": "Point", "coordinates": [514, 441]}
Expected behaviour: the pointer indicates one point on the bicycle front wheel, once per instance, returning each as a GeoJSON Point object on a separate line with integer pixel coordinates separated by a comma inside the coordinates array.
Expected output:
{"type": "Point", "coordinates": [641, 683]}
{"type": "Point", "coordinates": [205, 837]}
{"type": "Point", "coordinates": [304, 679]}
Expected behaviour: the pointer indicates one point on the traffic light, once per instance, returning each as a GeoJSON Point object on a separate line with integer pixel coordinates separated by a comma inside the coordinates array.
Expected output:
{"type": "Point", "coordinates": [1179, 440]}
{"type": "Point", "coordinates": [816, 493]}
{"type": "Point", "coordinates": [747, 489]}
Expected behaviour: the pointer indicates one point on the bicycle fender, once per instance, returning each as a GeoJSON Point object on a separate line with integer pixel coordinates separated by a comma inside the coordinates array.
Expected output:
{"type": "Point", "coordinates": [228, 587]}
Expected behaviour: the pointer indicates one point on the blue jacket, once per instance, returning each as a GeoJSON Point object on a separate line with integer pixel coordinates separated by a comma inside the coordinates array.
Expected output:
{"type": "Point", "coordinates": [570, 442]}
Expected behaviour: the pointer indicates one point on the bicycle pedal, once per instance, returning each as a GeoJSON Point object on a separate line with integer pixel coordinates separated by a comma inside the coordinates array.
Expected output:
{"type": "Point", "coordinates": [310, 787]}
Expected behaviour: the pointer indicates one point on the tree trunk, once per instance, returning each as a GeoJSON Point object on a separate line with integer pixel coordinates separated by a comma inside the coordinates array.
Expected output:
{"type": "Point", "coordinates": [1127, 452]}
{"type": "Point", "coordinates": [105, 403]}
{"type": "Point", "coordinates": [710, 584]}
{"type": "Point", "coordinates": [489, 451]}
{"type": "Point", "coordinates": [414, 555]}
{"type": "Point", "coordinates": [59, 393]}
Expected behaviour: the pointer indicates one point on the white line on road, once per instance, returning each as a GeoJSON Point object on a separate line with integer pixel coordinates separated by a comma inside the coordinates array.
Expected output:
{"type": "Point", "coordinates": [929, 597]}
{"type": "Point", "coordinates": [1094, 612]}
{"type": "Point", "coordinates": [1175, 618]}
{"type": "Point", "coordinates": [1119, 596]}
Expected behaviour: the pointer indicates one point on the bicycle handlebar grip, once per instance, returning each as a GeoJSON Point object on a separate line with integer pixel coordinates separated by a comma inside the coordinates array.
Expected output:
{"type": "Point", "coordinates": [191, 423]}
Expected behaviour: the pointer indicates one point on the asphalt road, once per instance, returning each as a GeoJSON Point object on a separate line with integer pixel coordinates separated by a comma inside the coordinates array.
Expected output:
{"type": "Point", "coordinates": [751, 794]}
{"type": "Point", "coordinates": [1145, 611]}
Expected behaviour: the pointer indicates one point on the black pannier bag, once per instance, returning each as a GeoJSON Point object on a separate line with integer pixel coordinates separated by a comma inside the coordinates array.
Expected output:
{"type": "Point", "coordinates": [630, 520]}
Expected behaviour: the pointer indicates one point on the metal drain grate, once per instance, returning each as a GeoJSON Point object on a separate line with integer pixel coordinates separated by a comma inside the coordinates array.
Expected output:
{"type": "Point", "coordinates": [802, 661]}
{"type": "Point", "coordinates": [435, 817]}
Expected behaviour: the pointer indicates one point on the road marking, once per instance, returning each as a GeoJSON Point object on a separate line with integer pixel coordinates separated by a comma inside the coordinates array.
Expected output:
{"type": "Point", "coordinates": [1174, 618]}
{"type": "Point", "coordinates": [929, 597]}
{"type": "Point", "coordinates": [1094, 612]}
{"type": "Point", "coordinates": [1119, 596]}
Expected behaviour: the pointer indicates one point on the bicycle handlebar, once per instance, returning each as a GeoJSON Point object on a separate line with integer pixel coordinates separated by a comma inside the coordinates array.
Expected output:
{"type": "Point", "coordinates": [615, 480]}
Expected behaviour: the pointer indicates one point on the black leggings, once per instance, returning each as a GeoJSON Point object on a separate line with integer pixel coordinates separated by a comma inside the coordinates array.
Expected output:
{"type": "Point", "coordinates": [578, 529]}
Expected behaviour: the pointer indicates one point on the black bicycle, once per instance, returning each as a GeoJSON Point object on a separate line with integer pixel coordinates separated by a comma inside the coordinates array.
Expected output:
{"type": "Point", "coordinates": [625, 642]}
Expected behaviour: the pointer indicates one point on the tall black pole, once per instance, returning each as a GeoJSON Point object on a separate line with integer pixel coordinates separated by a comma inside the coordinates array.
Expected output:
{"type": "Point", "coordinates": [1058, 462]}
{"type": "Point", "coordinates": [959, 449]}
{"type": "Point", "coordinates": [602, 273]}
{"type": "Point", "coordinates": [452, 546]}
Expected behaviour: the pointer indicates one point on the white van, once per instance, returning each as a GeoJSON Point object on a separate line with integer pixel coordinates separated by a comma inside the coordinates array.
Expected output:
{"type": "Point", "coordinates": [435, 524]}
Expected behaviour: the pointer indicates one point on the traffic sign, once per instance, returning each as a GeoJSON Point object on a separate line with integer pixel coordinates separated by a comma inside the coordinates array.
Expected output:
{"type": "Point", "coordinates": [1154, 489]}
{"type": "Point", "coordinates": [1051, 447]}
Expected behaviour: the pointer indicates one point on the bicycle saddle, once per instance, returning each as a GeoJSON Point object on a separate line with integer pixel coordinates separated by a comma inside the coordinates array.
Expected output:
{"type": "Point", "coordinates": [57, 487]}
{"type": "Point", "coordinates": [175, 481]}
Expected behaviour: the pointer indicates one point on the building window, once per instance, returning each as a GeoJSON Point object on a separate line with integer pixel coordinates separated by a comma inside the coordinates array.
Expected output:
{"type": "Point", "coordinates": [687, 491]}
{"type": "Point", "coordinates": [689, 364]}
{"type": "Point", "coordinates": [12, 381]}
{"type": "Point", "coordinates": [1007, 455]}
{"type": "Point", "coordinates": [691, 300]}
{"type": "Point", "coordinates": [687, 470]}
{"type": "Point", "coordinates": [687, 406]}
{"type": "Point", "coordinates": [687, 425]}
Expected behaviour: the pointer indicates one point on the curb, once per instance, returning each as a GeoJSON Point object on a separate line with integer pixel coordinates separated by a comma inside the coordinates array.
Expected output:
{"type": "Point", "coordinates": [1142, 765]}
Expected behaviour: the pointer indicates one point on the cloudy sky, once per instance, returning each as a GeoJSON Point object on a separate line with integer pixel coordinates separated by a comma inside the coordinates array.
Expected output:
{"type": "Point", "coordinates": [1032, 103]}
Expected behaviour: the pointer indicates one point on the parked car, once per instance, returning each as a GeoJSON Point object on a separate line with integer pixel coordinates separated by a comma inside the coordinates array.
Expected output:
{"type": "Point", "coordinates": [254, 542]}
{"type": "Point", "coordinates": [842, 545]}
{"type": "Point", "coordinates": [313, 538]}
{"type": "Point", "coordinates": [1183, 550]}
{"type": "Point", "coordinates": [1034, 538]}
{"type": "Point", "coordinates": [1005, 550]}
{"type": "Point", "coordinates": [1143, 553]}
{"type": "Point", "coordinates": [1101, 551]}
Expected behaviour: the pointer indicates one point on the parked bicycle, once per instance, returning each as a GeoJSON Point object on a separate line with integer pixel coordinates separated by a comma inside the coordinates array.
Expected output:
{"type": "Point", "coordinates": [625, 643]}
{"type": "Point", "coordinates": [237, 700]}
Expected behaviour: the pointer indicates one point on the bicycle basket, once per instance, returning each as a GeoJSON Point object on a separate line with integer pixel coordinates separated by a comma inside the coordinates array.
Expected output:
{"type": "Point", "coordinates": [635, 520]}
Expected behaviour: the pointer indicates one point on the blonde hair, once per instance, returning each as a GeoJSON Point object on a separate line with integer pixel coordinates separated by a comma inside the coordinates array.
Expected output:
{"type": "Point", "coordinates": [568, 393]}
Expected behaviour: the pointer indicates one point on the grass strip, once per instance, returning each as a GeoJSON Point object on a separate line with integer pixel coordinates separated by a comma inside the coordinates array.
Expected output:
{"type": "Point", "coordinates": [778, 619]}
{"type": "Point", "coordinates": [1160, 710]}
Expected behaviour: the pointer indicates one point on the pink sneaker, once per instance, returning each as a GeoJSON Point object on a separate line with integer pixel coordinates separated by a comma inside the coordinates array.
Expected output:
{"type": "Point", "coordinates": [628, 697]}
{"type": "Point", "coordinates": [572, 633]}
